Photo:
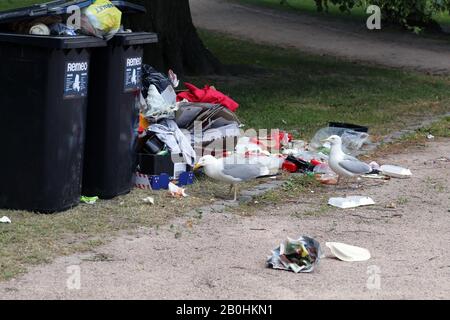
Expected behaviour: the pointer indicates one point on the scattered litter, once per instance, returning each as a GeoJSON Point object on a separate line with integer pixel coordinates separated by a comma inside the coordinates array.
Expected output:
{"type": "Point", "coordinates": [40, 29]}
{"type": "Point", "coordinates": [142, 181]}
{"type": "Point", "coordinates": [89, 200]}
{"type": "Point", "coordinates": [149, 200]}
{"type": "Point", "coordinates": [430, 137]}
{"type": "Point", "coordinates": [391, 205]}
{"type": "Point", "coordinates": [396, 172]}
{"type": "Point", "coordinates": [61, 29]}
{"type": "Point", "coordinates": [5, 220]}
{"type": "Point", "coordinates": [168, 132]}
{"type": "Point", "coordinates": [376, 176]}
{"type": "Point", "coordinates": [351, 202]}
{"type": "Point", "coordinates": [325, 175]}
{"type": "Point", "coordinates": [374, 165]}
{"type": "Point", "coordinates": [101, 19]}
{"type": "Point", "coordinates": [299, 256]}
{"type": "Point", "coordinates": [208, 95]}
{"type": "Point", "coordinates": [347, 252]}
{"type": "Point", "coordinates": [177, 191]}
{"type": "Point", "coordinates": [174, 79]}
{"type": "Point", "coordinates": [352, 141]}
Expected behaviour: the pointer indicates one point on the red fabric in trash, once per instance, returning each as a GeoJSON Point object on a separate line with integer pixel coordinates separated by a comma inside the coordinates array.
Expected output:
{"type": "Point", "coordinates": [290, 167]}
{"type": "Point", "coordinates": [207, 95]}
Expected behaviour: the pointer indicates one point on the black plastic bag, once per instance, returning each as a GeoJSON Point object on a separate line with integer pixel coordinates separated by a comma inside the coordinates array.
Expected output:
{"type": "Point", "coordinates": [152, 77]}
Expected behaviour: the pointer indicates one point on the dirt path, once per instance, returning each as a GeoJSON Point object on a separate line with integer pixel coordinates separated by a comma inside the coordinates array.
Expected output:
{"type": "Point", "coordinates": [223, 255]}
{"type": "Point", "coordinates": [318, 35]}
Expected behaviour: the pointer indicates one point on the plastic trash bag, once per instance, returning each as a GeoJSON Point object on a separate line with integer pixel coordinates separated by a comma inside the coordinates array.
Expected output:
{"type": "Point", "coordinates": [168, 132]}
{"type": "Point", "coordinates": [61, 29]}
{"type": "Point", "coordinates": [155, 107]}
{"type": "Point", "coordinates": [352, 141]}
{"type": "Point", "coordinates": [101, 19]}
{"type": "Point", "coordinates": [150, 76]}
{"type": "Point", "coordinates": [300, 256]}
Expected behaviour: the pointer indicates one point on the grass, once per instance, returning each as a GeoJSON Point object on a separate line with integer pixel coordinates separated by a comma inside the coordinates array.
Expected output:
{"type": "Point", "coordinates": [416, 139]}
{"type": "Point", "coordinates": [276, 88]}
{"type": "Point", "coordinates": [13, 4]}
{"type": "Point", "coordinates": [309, 6]}
{"type": "Point", "coordinates": [283, 88]}
{"type": "Point", "coordinates": [34, 239]}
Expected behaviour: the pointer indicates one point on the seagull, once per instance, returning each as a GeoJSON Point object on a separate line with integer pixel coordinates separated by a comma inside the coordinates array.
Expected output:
{"type": "Point", "coordinates": [231, 171]}
{"type": "Point", "coordinates": [342, 164]}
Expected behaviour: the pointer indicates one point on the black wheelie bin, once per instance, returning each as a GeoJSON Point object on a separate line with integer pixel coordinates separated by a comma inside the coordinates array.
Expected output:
{"type": "Point", "coordinates": [43, 102]}
{"type": "Point", "coordinates": [112, 115]}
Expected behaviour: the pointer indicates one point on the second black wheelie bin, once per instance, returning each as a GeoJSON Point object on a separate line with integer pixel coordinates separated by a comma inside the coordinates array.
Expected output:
{"type": "Point", "coordinates": [112, 115]}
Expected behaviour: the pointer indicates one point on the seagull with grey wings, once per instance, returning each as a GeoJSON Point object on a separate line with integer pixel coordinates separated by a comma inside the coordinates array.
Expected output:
{"type": "Point", "coordinates": [231, 170]}
{"type": "Point", "coordinates": [343, 165]}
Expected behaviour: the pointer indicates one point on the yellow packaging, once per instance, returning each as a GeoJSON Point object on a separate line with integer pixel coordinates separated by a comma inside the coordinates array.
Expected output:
{"type": "Point", "coordinates": [104, 17]}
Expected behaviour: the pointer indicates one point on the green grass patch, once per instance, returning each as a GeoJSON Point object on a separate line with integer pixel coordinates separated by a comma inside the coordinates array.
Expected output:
{"type": "Point", "coordinates": [14, 4]}
{"type": "Point", "coordinates": [438, 129]}
{"type": "Point", "coordinates": [287, 89]}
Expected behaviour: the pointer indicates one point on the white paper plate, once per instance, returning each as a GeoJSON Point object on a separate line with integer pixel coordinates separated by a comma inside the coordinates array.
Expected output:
{"type": "Point", "coordinates": [351, 202]}
{"type": "Point", "coordinates": [396, 172]}
{"type": "Point", "coordinates": [347, 252]}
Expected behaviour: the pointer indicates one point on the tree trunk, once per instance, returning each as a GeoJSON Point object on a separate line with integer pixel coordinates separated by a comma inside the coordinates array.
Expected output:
{"type": "Point", "coordinates": [180, 47]}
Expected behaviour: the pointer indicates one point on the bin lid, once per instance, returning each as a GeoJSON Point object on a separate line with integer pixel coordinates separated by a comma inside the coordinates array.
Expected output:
{"type": "Point", "coordinates": [134, 38]}
{"type": "Point", "coordinates": [59, 7]}
{"type": "Point", "coordinates": [58, 42]}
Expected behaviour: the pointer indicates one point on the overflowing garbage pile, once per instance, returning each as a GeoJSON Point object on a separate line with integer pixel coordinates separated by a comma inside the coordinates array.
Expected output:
{"type": "Point", "coordinates": [178, 128]}
{"type": "Point", "coordinates": [175, 128]}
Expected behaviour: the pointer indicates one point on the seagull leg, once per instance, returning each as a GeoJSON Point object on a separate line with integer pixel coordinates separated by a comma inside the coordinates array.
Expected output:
{"type": "Point", "coordinates": [231, 188]}
{"type": "Point", "coordinates": [338, 182]}
{"type": "Point", "coordinates": [235, 193]}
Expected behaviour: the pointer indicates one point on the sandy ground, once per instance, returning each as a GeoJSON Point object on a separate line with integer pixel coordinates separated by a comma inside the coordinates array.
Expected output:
{"type": "Point", "coordinates": [319, 35]}
{"type": "Point", "coordinates": [223, 255]}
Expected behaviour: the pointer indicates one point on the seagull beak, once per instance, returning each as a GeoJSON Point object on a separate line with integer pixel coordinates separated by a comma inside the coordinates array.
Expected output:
{"type": "Point", "coordinates": [197, 166]}
{"type": "Point", "coordinates": [325, 140]}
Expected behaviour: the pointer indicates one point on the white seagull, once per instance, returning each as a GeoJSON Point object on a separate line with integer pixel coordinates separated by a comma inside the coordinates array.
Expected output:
{"type": "Point", "coordinates": [230, 171]}
{"type": "Point", "coordinates": [343, 165]}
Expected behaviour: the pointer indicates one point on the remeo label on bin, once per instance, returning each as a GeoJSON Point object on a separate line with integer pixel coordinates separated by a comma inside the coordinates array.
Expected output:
{"type": "Point", "coordinates": [133, 72]}
{"type": "Point", "coordinates": [76, 79]}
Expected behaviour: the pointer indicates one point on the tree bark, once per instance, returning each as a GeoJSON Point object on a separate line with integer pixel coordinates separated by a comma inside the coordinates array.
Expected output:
{"type": "Point", "coordinates": [179, 47]}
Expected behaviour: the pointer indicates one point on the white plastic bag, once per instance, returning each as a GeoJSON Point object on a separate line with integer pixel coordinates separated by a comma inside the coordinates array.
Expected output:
{"type": "Point", "coordinates": [352, 141]}
{"type": "Point", "coordinates": [156, 107]}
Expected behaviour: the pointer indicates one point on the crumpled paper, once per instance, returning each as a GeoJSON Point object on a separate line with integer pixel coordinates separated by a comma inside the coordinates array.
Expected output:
{"type": "Point", "coordinates": [5, 219]}
{"type": "Point", "coordinates": [300, 256]}
{"type": "Point", "coordinates": [177, 191]}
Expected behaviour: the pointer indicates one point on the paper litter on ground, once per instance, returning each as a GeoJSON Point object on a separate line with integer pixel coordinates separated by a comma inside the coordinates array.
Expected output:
{"type": "Point", "coordinates": [149, 200]}
{"type": "Point", "coordinates": [176, 191]}
{"type": "Point", "coordinates": [299, 256]}
{"type": "Point", "coordinates": [5, 220]}
{"type": "Point", "coordinates": [396, 171]}
{"type": "Point", "coordinates": [351, 202]}
{"type": "Point", "coordinates": [347, 252]}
